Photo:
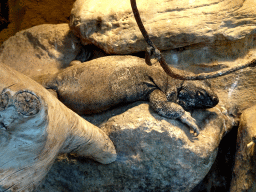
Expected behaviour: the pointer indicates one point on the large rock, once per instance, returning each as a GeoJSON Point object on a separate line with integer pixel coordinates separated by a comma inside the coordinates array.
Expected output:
{"type": "Point", "coordinates": [220, 174]}
{"type": "Point", "coordinates": [111, 26]}
{"type": "Point", "coordinates": [154, 153]}
{"type": "Point", "coordinates": [244, 170]}
{"type": "Point", "coordinates": [41, 49]}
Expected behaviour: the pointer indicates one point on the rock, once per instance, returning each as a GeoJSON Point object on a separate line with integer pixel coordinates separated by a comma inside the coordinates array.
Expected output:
{"type": "Point", "coordinates": [244, 170]}
{"type": "Point", "coordinates": [111, 26]}
{"type": "Point", "coordinates": [40, 50]}
{"type": "Point", "coordinates": [24, 14]}
{"type": "Point", "coordinates": [35, 127]}
{"type": "Point", "coordinates": [220, 175]}
{"type": "Point", "coordinates": [153, 153]}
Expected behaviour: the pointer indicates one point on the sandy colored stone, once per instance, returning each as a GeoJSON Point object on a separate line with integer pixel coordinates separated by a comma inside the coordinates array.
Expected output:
{"type": "Point", "coordinates": [41, 49]}
{"type": "Point", "coordinates": [220, 174]}
{"type": "Point", "coordinates": [24, 14]}
{"type": "Point", "coordinates": [111, 26]}
{"type": "Point", "coordinates": [244, 169]}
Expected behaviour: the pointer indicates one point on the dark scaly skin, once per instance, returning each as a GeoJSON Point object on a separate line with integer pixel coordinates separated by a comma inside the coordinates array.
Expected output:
{"type": "Point", "coordinates": [100, 84]}
{"type": "Point", "coordinates": [173, 72]}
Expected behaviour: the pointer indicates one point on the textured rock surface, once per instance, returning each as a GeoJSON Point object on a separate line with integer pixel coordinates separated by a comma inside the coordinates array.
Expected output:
{"type": "Point", "coordinates": [41, 49]}
{"type": "Point", "coordinates": [154, 153]}
{"type": "Point", "coordinates": [220, 175]}
{"type": "Point", "coordinates": [24, 14]}
{"type": "Point", "coordinates": [217, 53]}
{"type": "Point", "coordinates": [111, 26]}
{"type": "Point", "coordinates": [244, 169]}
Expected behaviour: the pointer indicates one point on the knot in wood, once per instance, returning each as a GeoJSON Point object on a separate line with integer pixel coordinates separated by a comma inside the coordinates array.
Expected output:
{"type": "Point", "coordinates": [27, 103]}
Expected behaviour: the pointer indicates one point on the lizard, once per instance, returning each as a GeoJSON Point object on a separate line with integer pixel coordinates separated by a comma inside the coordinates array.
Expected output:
{"type": "Point", "coordinates": [97, 85]}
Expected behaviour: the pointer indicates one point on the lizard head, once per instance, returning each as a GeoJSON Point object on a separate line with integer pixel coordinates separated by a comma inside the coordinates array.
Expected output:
{"type": "Point", "coordinates": [197, 95]}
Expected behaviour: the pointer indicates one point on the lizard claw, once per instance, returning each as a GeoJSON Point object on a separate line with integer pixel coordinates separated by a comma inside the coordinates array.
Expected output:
{"type": "Point", "coordinates": [191, 122]}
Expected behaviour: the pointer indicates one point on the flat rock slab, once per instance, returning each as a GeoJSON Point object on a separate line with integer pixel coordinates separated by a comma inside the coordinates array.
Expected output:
{"type": "Point", "coordinates": [41, 49]}
{"type": "Point", "coordinates": [154, 153]}
{"type": "Point", "coordinates": [111, 26]}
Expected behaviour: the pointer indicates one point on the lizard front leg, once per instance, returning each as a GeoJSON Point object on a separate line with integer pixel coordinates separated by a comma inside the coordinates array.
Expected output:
{"type": "Point", "coordinates": [165, 108]}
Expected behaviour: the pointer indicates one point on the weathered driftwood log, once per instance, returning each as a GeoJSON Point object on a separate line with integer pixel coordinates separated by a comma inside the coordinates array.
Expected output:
{"type": "Point", "coordinates": [35, 127]}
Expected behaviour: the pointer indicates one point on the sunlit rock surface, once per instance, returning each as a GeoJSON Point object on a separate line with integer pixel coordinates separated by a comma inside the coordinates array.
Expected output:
{"type": "Point", "coordinates": [154, 153]}
{"type": "Point", "coordinates": [111, 26]}
{"type": "Point", "coordinates": [41, 49]}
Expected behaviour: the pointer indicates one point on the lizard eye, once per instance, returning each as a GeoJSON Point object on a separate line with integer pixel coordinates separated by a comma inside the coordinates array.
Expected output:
{"type": "Point", "coordinates": [200, 95]}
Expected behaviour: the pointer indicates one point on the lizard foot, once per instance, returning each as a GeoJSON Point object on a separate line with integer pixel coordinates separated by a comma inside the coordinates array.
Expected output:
{"type": "Point", "coordinates": [191, 122]}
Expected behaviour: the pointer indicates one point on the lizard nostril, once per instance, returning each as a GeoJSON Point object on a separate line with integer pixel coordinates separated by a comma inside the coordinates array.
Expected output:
{"type": "Point", "coordinates": [215, 100]}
